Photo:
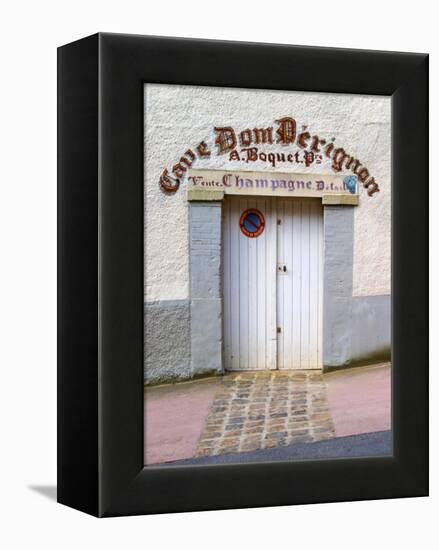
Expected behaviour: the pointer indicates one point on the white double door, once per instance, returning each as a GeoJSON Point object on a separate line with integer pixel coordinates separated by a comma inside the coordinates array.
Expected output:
{"type": "Point", "coordinates": [273, 285]}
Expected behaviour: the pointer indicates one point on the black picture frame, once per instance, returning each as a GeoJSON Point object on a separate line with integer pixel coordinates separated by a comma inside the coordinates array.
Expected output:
{"type": "Point", "coordinates": [100, 274]}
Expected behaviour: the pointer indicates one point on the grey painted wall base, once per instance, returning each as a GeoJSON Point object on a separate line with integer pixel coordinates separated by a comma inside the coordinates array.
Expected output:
{"type": "Point", "coordinates": [167, 341]}
{"type": "Point", "coordinates": [355, 329]}
{"type": "Point", "coordinates": [371, 328]}
{"type": "Point", "coordinates": [182, 340]}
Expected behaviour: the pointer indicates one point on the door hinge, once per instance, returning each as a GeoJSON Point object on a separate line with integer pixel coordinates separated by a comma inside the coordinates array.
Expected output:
{"type": "Point", "coordinates": [279, 222]}
{"type": "Point", "coordinates": [279, 330]}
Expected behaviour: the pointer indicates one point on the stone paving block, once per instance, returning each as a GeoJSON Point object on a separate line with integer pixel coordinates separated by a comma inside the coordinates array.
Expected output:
{"type": "Point", "coordinates": [259, 410]}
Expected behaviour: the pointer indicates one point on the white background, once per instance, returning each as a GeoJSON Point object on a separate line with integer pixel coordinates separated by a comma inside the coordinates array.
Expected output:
{"type": "Point", "coordinates": [30, 34]}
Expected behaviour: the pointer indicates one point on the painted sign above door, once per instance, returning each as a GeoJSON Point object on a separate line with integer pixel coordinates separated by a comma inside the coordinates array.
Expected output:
{"type": "Point", "coordinates": [203, 182]}
{"type": "Point", "coordinates": [298, 148]}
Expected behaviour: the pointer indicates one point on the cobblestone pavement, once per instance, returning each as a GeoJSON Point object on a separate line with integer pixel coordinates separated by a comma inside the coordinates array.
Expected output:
{"type": "Point", "coordinates": [261, 410]}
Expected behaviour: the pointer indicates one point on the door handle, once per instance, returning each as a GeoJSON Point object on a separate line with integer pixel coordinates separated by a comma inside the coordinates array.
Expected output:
{"type": "Point", "coordinates": [282, 268]}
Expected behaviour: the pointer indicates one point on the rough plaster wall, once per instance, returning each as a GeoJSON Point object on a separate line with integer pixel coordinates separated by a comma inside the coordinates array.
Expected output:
{"type": "Point", "coordinates": [372, 219]}
{"type": "Point", "coordinates": [179, 117]}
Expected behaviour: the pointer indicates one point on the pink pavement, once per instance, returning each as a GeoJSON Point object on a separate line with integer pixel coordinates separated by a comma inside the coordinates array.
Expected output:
{"type": "Point", "coordinates": [360, 399]}
{"type": "Point", "coordinates": [174, 418]}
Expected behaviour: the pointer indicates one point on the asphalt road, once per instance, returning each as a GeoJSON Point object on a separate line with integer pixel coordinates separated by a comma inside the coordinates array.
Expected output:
{"type": "Point", "coordinates": [354, 446]}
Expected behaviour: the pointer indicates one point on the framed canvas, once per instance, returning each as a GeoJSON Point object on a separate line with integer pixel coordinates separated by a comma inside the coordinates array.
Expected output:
{"type": "Point", "coordinates": [242, 275]}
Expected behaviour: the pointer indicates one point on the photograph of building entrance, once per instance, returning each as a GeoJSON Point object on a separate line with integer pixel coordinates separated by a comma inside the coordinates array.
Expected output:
{"type": "Point", "coordinates": [267, 308]}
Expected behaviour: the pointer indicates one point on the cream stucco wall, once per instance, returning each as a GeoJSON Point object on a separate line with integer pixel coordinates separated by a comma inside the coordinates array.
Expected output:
{"type": "Point", "coordinates": [179, 117]}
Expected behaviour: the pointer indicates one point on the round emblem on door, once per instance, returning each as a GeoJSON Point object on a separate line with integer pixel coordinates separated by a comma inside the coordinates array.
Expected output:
{"type": "Point", "coordinates": [252, 223]}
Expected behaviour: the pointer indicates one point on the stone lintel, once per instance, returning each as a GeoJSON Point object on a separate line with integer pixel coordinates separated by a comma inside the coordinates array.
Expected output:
{"type": "Point", "coordinates": [205, 195]}
{"type": "Point", "coordinates": [342, 200]}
